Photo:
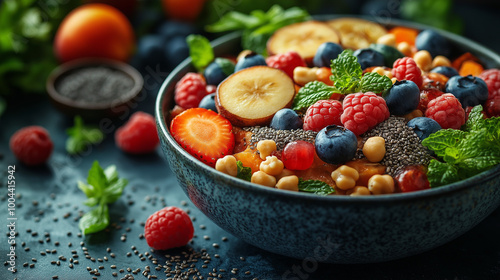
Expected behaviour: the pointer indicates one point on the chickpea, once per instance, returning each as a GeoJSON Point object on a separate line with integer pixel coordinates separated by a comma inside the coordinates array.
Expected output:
{"type": "Point", "coordinates": [405, 49]}
{"type": "Point", "coordinates": [423, 59]}
{"type": "Point", "coordinates": [227, 165]}
{"type": "Point", "coordinates": [272, 166]}
{"type": "Point", "coordinates": [381, 184]}
{"type": "Point", "coordinates": [284, 173]}
{"type": "Point", "coordinates": [262, 178]}
{"type": "Point", "coordinates": [381, 71]}
{"type": "Point", "coordinates": [243, 53]}
{"type": "Point", "coordinates": [387, 39]}
{"type": "Point", "coordinates": [441, 61]}
{"type": "Point", "coordinates": [359, 190]}
{"type": "Point", "coordinates": [265, 148]}
{"type": "Point", "coordinates": [304, 75]}
{"type": "Point", "coordinates": [394, 80]}
{"type": "Point", "coordinates": [290, 183]}
{"type": "Point", "coordinates": [374, 149]}
{"type": "Point", "coordinates": [345, 177]}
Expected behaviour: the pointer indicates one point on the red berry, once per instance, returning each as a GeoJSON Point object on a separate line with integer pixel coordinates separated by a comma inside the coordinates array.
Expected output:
{"type": "Point", "coordinates": [321, 114]}
{"type": "Point", "coordinates": [286, 62]}
{"type": "Point", "coordinates": [211, 89]}
{"type": "Point", "coordinates": [363, 111]}
{"type": "Point", "coordinates": [298, 155]}
{"type": "Point", "coordinates": [190, 90]}
{"type": "Point", "coordinates": [406, 69]}
{"type": "Point", "coordinates": [427, 95]}
{"type": "Point", "coordinates": [168, 228]}
{"type": "Point", "coordinates": [492, 106]}
{"type": "Point", "coordinates": [412, 178]}
{"type": "Point", "coordinates": [204, 134]}
{"type": "Point", "coordinates": [138, 135]}
{"type": "Point", "coordinates": [447, 111]}
{"type": "Point", "coordinates": [31, 145]}
{"type": "Point", "coordinates": [492, 79]}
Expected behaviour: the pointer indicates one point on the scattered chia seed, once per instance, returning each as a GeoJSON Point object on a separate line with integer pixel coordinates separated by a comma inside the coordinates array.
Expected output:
{"type": "Point", "coordinates": [281, 137]}
{"type": "Point", "coordinates": [403, 147]}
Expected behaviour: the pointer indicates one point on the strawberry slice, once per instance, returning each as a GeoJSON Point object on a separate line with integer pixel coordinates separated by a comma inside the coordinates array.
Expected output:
{"type": "Point", "coordinates": [204, 134]}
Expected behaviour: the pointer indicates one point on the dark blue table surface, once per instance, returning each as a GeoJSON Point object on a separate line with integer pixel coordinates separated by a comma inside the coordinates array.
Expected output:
{"type": "Point", "coordinates": [48, 204]}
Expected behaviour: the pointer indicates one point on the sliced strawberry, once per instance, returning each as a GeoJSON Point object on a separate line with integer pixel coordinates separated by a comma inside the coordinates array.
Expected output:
{"type": "Point", "coordinates": [204, 134]}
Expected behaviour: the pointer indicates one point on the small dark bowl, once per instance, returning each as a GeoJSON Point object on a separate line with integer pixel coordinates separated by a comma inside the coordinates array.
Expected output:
{"type": "Point", "coordinates": [93, 110]}
{"type": "Point", "coordinates": [336, 229]}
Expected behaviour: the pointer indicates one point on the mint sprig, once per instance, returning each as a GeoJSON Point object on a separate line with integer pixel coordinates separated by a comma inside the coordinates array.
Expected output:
{"type": "Point", "coordinates": [103, 187]}
{"type": "Point", "coordinates": [80, 136]}
{"type": "Point", "coordinates": [244, 173]}
{"type": "Point", "coordinates": [463, 154]}
{"type": "Point", "coordinates": [200, 51]}
{"type": "Point", "coordinates": [347, 76]}
{"type": "Point", "coordinates": [315, 186]}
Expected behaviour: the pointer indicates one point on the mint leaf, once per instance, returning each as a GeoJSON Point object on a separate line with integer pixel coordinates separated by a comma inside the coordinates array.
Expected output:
{"type": "Point", "coordinates": [443, 139]}
{"type": "Point", "coordinates": [474, 120]}
{"type": "Point", "coordinates": [244, 173]}
{"type": "Point", "coordinates": [375, 82]}
{"type": "Point", "coordinates": [440, 173]}
{"type": "Point", "coordinates": [312, 92]}
{"type": "Point", "coordinates": [95, 220]}
{"type": "Point", "coordinates": [88, 190]}
{"type": "Point", "coordinates": [114, 191]}
{"type": "Point", "coordinates": [346, 72]}
{"type": "Point", "coordinates": [315, 186]}
{"type": "Point", "coordinates": [200, 50]}
{"type": "Point", "coordinates": [226, 65]}
{"type": "Point", "coordinates": [111, 174]}
{"type": "Point", "coordinates": [80, 136]}
{"type": "Point", "coordinates": [96, 178]}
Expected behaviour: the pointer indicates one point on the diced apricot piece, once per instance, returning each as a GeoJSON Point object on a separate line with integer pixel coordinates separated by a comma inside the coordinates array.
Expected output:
{"type": "Point", "coordinates": [457, 63]}
{"type": "Point", "coordinates": [249, 159]}
{"type": "Point", "coordinates": [470, 67]}
{"type": "Point", "coordinates": [404, 34]}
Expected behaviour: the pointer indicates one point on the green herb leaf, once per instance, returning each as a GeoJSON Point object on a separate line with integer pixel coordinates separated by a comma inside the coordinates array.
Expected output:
{"type": "Point", "coordinates": [95, 220]}
{"type": "Point", "coordinates": [88, 190]}
{"type": "Point", "coordinates": [440, 173]}
{"type": "Point", "coordinates": [80, 136]}
{"type": "Point", "coordinates": [226, 65]}
{"type": "Point", "coordinates": [111, 174]}
{"type": "Point", "coordinates": [474, 119]}
{"type": "Point", "coordinates": [244, 173]}
{"type": "Point", "coordinates": [97, 178]}
{"type": "Point", "coordinates": [114, 191]}
{"type": "Point", "coordinates": [312, 92]}
{"type": "Point", "coordinates": [375, 82]}
{"type": "Point", "coordinates": [315, 186]}
{"type": "Point", "coordinates": [346, 72]}
{"type": "Point", "coordinates": [442, 140]}
{"type": "Point", "coordinates": [200, 50]}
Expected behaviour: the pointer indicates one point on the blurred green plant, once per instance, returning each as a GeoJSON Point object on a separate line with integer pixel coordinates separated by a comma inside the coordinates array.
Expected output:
{"type": "Point", "coordinates": [436, 13]}
{"type": "Point", "coordinates": [27, 28]}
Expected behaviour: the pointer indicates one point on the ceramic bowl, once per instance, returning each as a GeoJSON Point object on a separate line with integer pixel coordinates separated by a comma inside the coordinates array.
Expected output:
{"type": "Point", "coordinates": [335, 229]}
{"type": "Point", "coordinates": [94, 110]}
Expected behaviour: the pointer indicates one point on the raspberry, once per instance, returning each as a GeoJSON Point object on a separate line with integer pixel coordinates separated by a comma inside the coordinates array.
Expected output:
{"type": "Point", "coordinates": [406, 69]}
{"type": "Point", "coordinates": [447, 111]}
{"type": "Point", "coordinates": [168, 228]}
{"type": "Point", "coordinates": [190, 90]}
{"type": "Point", "coordinates": [138, 135]}
{"type": "Point", "coordinates": [427, 95]}
{"type": "Point", "coordinates": [321, 114]}
{"type": "Point", "coordinates": [286, 62]}
{"type": "Point", "coordinates": [492, 106]}
{"type": "Point", "coordinates": [31, 145]}
{"type": "Point", "coordinates": [492, 79]}
{"type": "Point", "coordinates": [363, 111]}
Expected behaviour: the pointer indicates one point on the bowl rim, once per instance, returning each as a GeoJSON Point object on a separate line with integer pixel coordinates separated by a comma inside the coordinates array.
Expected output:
{"type": "Point", "coordinates": [69, 66]}
{"type": "Point", "coordinates": [163, 130]}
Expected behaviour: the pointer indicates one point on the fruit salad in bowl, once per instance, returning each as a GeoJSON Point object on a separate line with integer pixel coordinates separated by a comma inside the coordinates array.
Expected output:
{"type": "Point", "coordinates": [364, 141]}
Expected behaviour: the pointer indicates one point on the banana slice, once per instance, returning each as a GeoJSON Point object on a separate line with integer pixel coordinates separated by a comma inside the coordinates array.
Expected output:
{"type": "Point", "coordinates": [357, 33]}
{"type": "Point", "coordinates": [252, 96]}
{"type": "Point", "coordinates": [303, 37]}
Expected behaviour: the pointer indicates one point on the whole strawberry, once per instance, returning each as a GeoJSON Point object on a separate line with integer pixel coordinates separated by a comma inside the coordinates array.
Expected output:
{"type": "Point", "coordinates": [286, 62]}
{"type": "Point", "coordinates": [447, 111]}
{"type": "Point", "coordinates": [138, 135]}
{"type": "Point", "coordinates": [31, 145]}
{"type": "Point", "coordinates": [322, 113]}
{"type": "Point", "coordinates": [406, 69]}
{"type": "Point", "coordinates": [190, 90]}
{"type": "Point", "coordinates": [363, 111]}
{"type": "Point", "coordinates": [168, 228]}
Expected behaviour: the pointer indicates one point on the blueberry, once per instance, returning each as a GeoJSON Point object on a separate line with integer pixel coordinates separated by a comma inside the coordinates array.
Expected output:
{"type": "Point", "coordinates": [423, 126]}
{"type": "Point", "coordinates": [433, 42]}
{"type": "Point", "coordinates": [172, 28]}
{"type": "Point", "coordinates": [176, 50]}
{"type": "Point", "coordinates": [208, 102]}
{"type": "Point", "coordinates": [369, 57]}
{"type": "Point", "coordinates": [286, 119]}
{"type": "Point", "coordinates": [469, 90]}
{"type": "Point", "coordinates": [445, 70]}
{"type": "Point", "coordinates": [390, 53]}
{"type": "Point", "coordinates": [150, 50]}
{"type": "Point", "coordinates": [402, 98]}
{"type": "Point", "coordinates": [249, 60]}
{"type": "Point", "coordinates": [336, 144]}
{"type": "Point", "coordinates": [218, 70]}
{"type": "Point", "coordinates": [325, 53]}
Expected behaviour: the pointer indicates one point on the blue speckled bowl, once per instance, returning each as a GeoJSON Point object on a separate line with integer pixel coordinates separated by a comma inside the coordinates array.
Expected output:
{"type": "Point", "coordinates": [337, 229]}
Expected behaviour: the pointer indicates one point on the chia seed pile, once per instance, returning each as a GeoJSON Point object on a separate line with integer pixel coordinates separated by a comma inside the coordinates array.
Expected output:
{"type": "Point", "coordinates": [403, 147]}
{"type": "Point", "coordinates": [94, 85]}
{"type": "Point", "coordinates": [281, 137]}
